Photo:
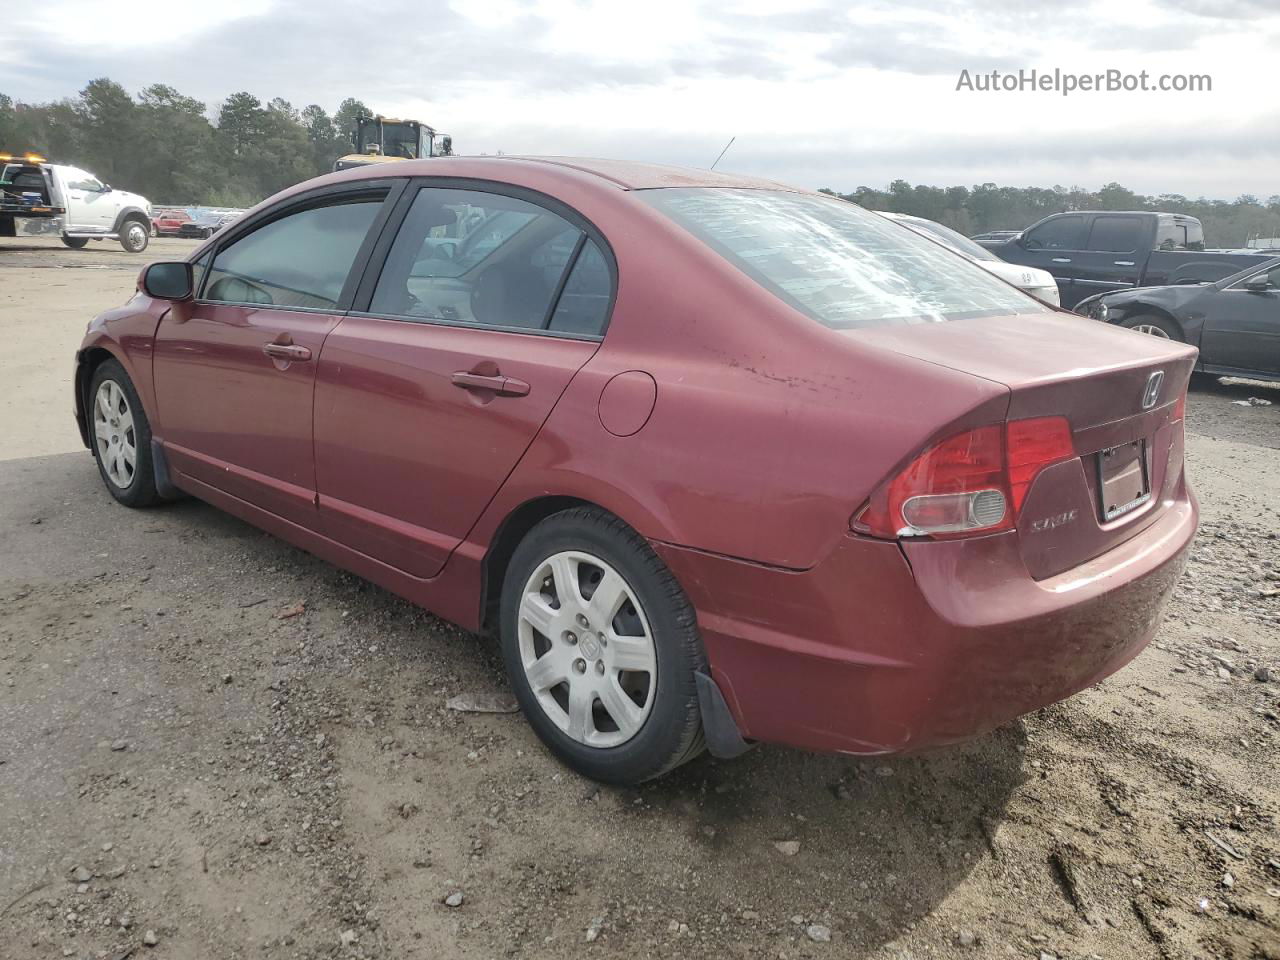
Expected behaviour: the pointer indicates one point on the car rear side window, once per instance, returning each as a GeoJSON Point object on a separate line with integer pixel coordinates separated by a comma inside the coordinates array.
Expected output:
{"type": "Point", "coordinates": [299, 260]}
{"type": "Point", "coordinates": [844, 266]}
{"type": "Point", "coordinates": [466, 256]}
{"type": "Point", "coordinates": [1060, 233]}
{"type": "Point", "coordinates": [1116, 234]}
{"type": "Point", "coordinates": [583, 307]}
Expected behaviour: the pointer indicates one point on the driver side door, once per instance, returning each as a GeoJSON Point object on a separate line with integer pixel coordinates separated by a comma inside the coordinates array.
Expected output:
{"type": "Point", "coordinates": [1054, 245]}
{"type": "Point", "coordinates": [235, 368]}
{"type": "Point", "coordinates": [1243, 330]}
{"type": "Point", "coordinates": [90, 208]}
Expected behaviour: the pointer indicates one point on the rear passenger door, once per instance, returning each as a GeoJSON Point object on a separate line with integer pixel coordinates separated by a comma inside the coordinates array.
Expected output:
{"type": "Point", "coordinates": [486, 303]}
{"type": "Point", "coordinates": [1116, 247]}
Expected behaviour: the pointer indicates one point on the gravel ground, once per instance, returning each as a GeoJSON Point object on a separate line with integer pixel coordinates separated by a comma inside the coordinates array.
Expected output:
{"type": "Point", "coordinates": [216, 746]}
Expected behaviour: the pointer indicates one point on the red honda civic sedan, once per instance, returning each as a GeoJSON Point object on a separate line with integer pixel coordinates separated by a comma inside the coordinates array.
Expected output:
{"type": "Point", "coordinates": [715, 460]}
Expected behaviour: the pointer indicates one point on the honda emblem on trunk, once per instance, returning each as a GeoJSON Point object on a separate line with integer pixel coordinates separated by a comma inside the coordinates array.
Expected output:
{"type": "Point", "coordinates": [1152, 392]}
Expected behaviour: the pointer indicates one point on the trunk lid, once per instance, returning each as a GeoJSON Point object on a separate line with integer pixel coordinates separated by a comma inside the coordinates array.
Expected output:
{"type": "Point", "coordinates": [1119, 391]}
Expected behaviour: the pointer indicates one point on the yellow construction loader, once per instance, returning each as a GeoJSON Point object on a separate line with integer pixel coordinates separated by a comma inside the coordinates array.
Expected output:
{"type": "Point", "coordinates": [381, 139]}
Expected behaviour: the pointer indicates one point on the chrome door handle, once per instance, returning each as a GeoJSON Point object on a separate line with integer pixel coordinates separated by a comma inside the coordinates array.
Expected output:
{"type": "Point", "coordinates": [286, 351]}
{"type": "Point", "coordinates": [1061, 260]}
{"type": "Point", "coordinates": [502, 386]}
{"type": "Point", "coordinates": [1124, 263]}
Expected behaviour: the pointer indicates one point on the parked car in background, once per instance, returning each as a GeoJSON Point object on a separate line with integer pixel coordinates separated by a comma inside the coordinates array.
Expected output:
{"type": "Point", "coordinates": [200, 226]}
{"type": "Point", "coordinates": [73, 203]}
{"type": "Point", "coordinates": [804, 477]}
{"type": "Point", "coordinates": [1093, 252]}
{"type": "Point", "coordinates": [1235, 322]}
{"type": "Point", "coordinates": [167, 223]}
{"type": "Point", "coordinates": [1039, 283]}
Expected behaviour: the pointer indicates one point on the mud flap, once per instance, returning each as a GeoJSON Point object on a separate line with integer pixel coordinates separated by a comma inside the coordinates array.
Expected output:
{"type": "Point", "coordinates": [724, 740]}
{"type": "Point", "coordinates": [160, 467]}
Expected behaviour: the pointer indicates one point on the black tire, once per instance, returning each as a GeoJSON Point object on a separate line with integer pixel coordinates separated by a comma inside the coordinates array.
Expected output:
{"type": "Point", "coordinates": [135, 234]}
{"type": "Point", "coordinates": [75, 243]}
{"type": "Point", "coordinates": [140, 491]}
{"type": "Point", "coordinates": [671, 734]}
{"type": "Point", "coordinates": [1170, 329]}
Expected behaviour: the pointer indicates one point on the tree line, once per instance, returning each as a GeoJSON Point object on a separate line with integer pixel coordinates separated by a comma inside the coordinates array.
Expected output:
{"type": "Point", "coordinates": [172, 148]}
{"type": "Point", "coordinates": [971, 210]}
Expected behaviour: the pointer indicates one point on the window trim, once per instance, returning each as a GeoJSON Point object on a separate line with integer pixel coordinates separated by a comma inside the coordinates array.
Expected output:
{"type": "Point", "coordinates": [377, 259]}
{"type": "Point", "coordinates": [390, 190]}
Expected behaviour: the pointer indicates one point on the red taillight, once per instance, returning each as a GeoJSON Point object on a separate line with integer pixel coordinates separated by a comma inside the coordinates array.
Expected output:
{"type": "Point", "coordinates": [1034, 445]}
{"type": "Point", "coordinates": [974, 482]}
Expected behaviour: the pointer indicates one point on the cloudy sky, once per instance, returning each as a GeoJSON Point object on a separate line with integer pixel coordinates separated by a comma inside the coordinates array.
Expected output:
{"type": "Point", "coordinates": [818, 94]}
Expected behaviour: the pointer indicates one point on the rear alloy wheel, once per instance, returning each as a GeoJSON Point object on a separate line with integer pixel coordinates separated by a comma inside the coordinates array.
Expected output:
{"type": "Point", "coordinates": [601, 648]}
{"type": "Point", "coordinates": [1154, 326]}
{"type": "Point", "coordinates": [134, 236]}
{"type": "Point", "coordinates": [587, 650]}
{"type": "Point", "coordinates": [75, 243]}
{"type": "Point", "coordinates": [121, 437]}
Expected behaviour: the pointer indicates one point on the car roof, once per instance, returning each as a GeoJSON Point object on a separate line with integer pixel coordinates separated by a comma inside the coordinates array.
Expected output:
{"type": "Point", "coordinates": [625, 174]}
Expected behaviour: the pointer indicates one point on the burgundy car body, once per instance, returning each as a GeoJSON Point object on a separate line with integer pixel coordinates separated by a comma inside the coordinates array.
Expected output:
{"type": "Point", "coordinates": [736, 434]}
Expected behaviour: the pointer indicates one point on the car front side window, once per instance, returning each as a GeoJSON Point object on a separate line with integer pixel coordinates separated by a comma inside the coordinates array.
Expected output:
{"type": "Point", "coordinates": [1248, 284]}
{"type": "Point", "coordinates": [300, 260]}
{"type": "Point", "coordinates": [79, 180]}
{"type": "Point", "coordinates": [466, 256]}
{"type": "Point", "coordinates": [1060, 233]}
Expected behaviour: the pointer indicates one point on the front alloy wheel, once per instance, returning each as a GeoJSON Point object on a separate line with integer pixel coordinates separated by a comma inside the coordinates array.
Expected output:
{"type": "Point", "coordinates": [115, 435]}
{"type": "Point", "coordinates": [120, 436]}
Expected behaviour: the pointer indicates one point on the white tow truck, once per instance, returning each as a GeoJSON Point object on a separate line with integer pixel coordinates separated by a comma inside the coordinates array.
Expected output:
{"type": "Point", "coordinates": [38, 197]}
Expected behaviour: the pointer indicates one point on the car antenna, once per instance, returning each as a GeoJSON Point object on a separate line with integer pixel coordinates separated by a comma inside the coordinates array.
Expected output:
{"type": "Point", "coordinates": [724, 151]}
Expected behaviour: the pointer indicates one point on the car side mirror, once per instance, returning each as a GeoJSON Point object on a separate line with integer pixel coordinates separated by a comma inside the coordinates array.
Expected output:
{"type": "Point", "coordinates": [167, 280]}
{"type": "Point", "coordinates": [104, 188]}
{"type": "Point", "coordinates": [1258, 284]}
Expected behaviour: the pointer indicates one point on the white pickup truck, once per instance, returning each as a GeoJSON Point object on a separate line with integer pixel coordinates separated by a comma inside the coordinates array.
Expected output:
{"type": "Point", "coordinates": [54, 198]}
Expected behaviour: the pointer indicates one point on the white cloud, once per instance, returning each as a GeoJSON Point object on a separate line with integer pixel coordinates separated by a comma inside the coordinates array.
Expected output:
{"type": "Point", "coordinates": [823, 95]}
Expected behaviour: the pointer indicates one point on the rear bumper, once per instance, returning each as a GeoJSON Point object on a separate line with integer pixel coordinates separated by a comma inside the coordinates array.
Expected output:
{"type": "Point", "coordinates": [883, 649]}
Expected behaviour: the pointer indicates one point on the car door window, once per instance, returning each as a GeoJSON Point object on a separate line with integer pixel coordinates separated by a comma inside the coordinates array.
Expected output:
{"type": "Point", "coordinates": [1115, 234]}
{"type": "Point", "coordinates": [1060, 233]}
{"type": "Point", "coordinates": [79, 180]}
{"type": "Point", "coordinates": [583, 307]}
{"type": "Point", "coordinates": [466, 256]}
{"type": "Point", "coordinates": [299, 260]}
{"type": "Point", "coordinates": [1272, 275]}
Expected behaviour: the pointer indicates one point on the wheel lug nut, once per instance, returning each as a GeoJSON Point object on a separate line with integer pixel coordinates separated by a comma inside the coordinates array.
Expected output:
{"type": "Point", "coordinates": [570, 637]}
{"type": "Point", "coordinates": [580, 665]}
{"type": "Point", "coordinates": [582, 621]}
{"type": "Point", "coordinates": [604, 641]}
{"type": "Point", "coordinates": [600, 667]}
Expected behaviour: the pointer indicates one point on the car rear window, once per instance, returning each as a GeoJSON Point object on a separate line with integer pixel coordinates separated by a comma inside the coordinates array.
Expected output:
{"type": "Point", "coordinates": [843, 266]}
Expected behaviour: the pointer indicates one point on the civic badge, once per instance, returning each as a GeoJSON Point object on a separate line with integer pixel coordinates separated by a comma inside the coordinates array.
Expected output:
{"type": "Point", "coordinates": [1152, 391]}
